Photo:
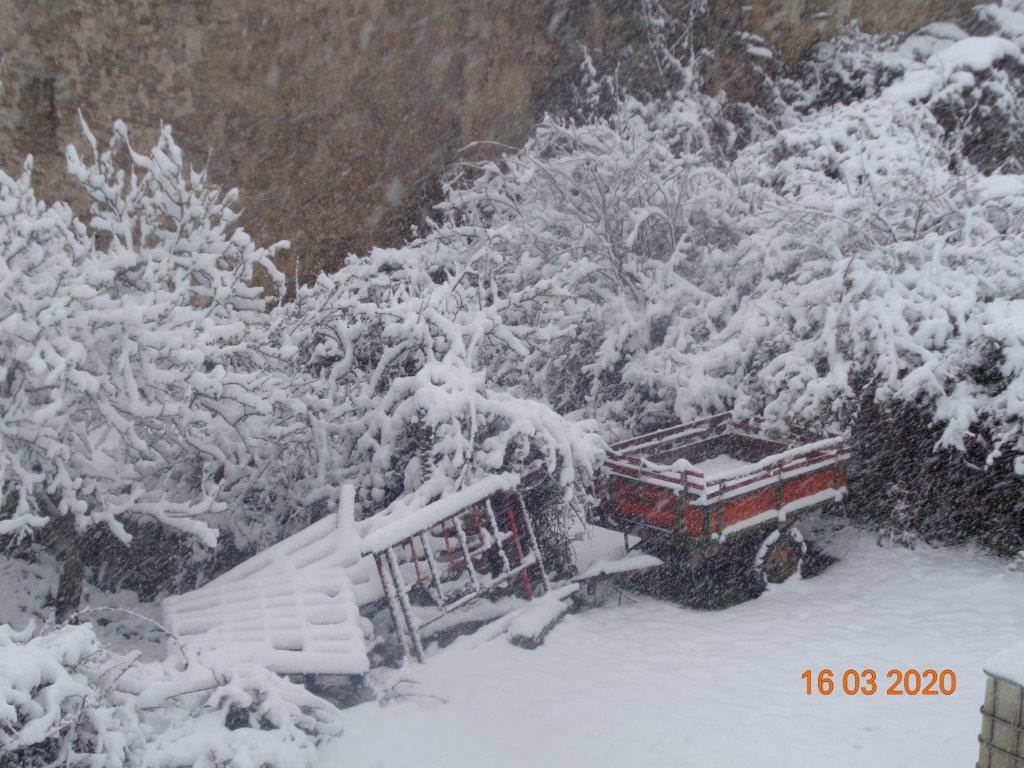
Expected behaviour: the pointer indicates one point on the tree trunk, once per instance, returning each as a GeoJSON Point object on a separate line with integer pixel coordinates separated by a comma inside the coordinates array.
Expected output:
{"type": "Point", "coordinates": [69, 588]}
{"type": "Point", "coordinates": [65, 544]}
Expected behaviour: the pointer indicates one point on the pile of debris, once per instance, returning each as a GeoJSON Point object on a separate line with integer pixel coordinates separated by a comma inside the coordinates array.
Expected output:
{"type": "Point", "coordinates": [304, 606]}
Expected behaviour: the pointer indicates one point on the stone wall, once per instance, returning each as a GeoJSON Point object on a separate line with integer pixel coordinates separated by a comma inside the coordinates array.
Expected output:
{"type": "Point", "coordinates": [792, 26]}
{"type": "Point", "coordinates": [335, 117]}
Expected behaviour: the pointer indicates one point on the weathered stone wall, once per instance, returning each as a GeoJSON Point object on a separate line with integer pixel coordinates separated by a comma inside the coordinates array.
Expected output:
{"type": "Point", "coordinates": [334, 117]}
{"type": "Point", "coordinates": [792, 26]}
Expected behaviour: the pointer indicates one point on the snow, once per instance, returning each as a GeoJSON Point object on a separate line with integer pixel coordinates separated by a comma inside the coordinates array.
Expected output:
{"type": "Point", "coordinates": [651, 683]}
{"type": "Point", "coordinates": [591, 543]}
{"type": "Point", "coordinates": [977, 53]}
{"type": "Point", "coordinates": [122, 622]}
{"type": "Point", "coordinates": [292, 607]}
{"type": "Point", "coordinates": [634, 561]}
{"type": "Point", "coordinates": [969, 53]}
{"type": "Point", "coordinates": [401, 522]}
{"type": "Point", "coordinates": [999, 186]}
{"type": "Point", "coordinates": [1009, 21]}
{"type": "Point", "coordinates": [722, 463]}
{"type": "Point", "coordinates": [535, 618]}
{"type": "Point", "coordinates": [1008, 663]}
{"type": "Point", "coordinates": [916, 85]}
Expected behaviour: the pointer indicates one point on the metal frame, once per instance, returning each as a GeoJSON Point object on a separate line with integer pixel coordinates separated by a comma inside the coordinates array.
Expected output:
{"type": "Point", "coordinates": [517, 555]}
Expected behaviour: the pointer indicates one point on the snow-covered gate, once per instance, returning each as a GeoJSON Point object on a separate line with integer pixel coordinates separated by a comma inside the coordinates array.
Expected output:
{"type": "Point", "coordinates": [453, 551]}
{"type": "Point", "coordinates": [293, 607]}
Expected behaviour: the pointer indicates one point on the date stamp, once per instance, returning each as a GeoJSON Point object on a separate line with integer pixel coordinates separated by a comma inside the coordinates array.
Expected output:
{"type": "Point", "coordinates": [868, 682]}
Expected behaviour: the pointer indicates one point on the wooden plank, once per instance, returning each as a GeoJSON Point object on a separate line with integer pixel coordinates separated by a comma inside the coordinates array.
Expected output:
{"type": "Point", "coordinates": [529, 628]}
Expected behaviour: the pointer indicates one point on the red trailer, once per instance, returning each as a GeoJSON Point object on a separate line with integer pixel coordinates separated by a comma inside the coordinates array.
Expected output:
{"type": "Point", "coordinates": [714, 490]}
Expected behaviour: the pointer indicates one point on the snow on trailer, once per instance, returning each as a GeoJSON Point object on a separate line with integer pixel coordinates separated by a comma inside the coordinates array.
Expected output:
{"type": "Point", "coordinates": [293, 607]}
{"type": "Point", "coordinates": [435, 560]}
{"type": "Point", "coordinates": [700, 484]}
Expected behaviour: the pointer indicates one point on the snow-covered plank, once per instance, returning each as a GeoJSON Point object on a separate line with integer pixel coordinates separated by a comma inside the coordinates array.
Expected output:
{"type": "Point", "coordinates": [293, 607]}
{"type": "Point", "coordinates": [631, 563]}
{"type": "Point", "coordinates": [327, 543]}
{"type": "Point", "coordinates": [531, 625]}
{"type": "Point", "coordinates": [293, 622]}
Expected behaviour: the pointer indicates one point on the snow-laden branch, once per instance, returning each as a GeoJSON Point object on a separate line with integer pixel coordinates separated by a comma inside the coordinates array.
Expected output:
{"type": "Point", "coordinates": [135, 375]}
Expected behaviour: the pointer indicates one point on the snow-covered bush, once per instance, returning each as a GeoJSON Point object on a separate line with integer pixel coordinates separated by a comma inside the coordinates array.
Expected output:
{"type": "Point", "coordinates": [67, 700]}
{"type": "Point", "coordinates": [973, 85]}
{"type": "Point", "coordinates": [135, 376]}
{"type": "Point", "coordinates": [594, 236]}
{"type": "Point", "coordinates": [654, 268]}
{"type": "Point", "coordinates": [853, 65]}
{"type": "Point", "coordinates": [407, 361]}
{"type": "Point", "coordinates": [56, 708]}
{"type": "Point", "coordinates": [910, 491]}
{"type": "Point", "coordinates": [883, 257]}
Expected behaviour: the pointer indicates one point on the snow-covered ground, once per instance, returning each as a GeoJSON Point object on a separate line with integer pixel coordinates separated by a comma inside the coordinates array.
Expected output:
{"type": "Point", "coordinates": [651, 683]}
{"type": "Point", "coordinates": [122, 621]}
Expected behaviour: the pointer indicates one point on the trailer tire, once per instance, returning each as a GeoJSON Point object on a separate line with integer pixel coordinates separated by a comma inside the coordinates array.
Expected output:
{"type": "Point", "coordinates": [780, 556]}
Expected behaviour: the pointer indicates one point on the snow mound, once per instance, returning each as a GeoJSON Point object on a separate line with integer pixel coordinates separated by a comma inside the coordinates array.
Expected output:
{"type": "Point", "coordinates": [721, 464]}
{"type": "Point", "coordinates": [66, 697]}
{"type": "Point", "coordinates": [973, 54]}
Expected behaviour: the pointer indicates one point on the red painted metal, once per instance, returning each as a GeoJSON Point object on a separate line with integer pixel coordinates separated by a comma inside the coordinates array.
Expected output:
{"type": "Point", "coordinates": [648, 494]}
{"type": "Point", "coordinates": [511, 515]}
{"type": "Point", "coordinates": [454, 583]}
{"type": "Point", "coordinates": [415, 559]}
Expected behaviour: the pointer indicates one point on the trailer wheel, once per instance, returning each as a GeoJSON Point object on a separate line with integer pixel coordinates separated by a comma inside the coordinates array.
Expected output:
{"type": "Point", "coordinates": [780, 556]}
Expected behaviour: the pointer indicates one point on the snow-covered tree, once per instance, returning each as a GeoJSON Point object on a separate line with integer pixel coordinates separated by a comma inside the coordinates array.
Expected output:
{"type": "Point", "coordinates": [594, 236]}
{"type": "Point", "coordinates": [404, 353]}
{"type": "Point", "coordinates": [654, 267]}
{"type": "Point", "coordinates": [134, 373]}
